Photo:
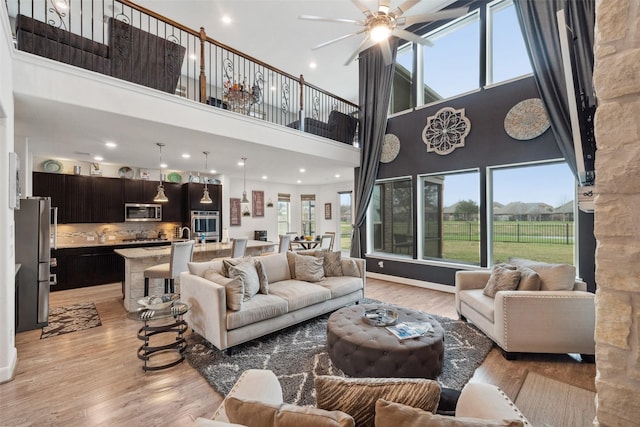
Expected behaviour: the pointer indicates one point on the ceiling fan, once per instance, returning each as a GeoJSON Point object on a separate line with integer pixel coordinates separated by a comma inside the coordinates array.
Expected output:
{"type": "Point", "coordinates": [383, 23]}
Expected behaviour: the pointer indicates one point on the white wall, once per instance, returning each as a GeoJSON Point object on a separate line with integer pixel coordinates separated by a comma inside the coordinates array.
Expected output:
{"type": "Point", "coordinates": [8, 355]}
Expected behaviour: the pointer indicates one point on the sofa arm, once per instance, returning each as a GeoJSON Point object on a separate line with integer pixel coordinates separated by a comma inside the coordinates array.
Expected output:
{"type": "Point", "coordinates": [466, 280]}
{"type": "Point", "coordinates": [487, 402]}
{"type": "Point", "coordinates": [208, 313]}
{"type": "Point", "coordinates": [545, 321]}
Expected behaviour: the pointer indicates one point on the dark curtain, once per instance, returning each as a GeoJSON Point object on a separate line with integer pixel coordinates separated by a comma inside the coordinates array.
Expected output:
{"type": "Point", "coordinates": [375, 92]}
{"type": "Point", "coordinates": [539, 26]}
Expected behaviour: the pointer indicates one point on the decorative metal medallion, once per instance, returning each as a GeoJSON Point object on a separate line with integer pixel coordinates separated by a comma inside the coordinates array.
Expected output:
{"type": "Point", "coordinates": [446, 130]}
{"type": "Point", "coordinates": [390, 148]}
{"type": "Point", "coordinates": [526, 120]}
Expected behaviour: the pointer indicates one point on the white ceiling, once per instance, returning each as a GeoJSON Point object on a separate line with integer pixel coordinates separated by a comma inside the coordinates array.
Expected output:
{"type": "Point", "coordinates": [265, 29]}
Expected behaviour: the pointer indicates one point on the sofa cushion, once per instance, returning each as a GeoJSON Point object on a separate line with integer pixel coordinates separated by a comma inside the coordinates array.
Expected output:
{"type": "Point", "coordinates": [200, 268]}
{"type": "Point", "coordinates": [392, 414]}
{"type": "Point", "coordinates": [309, 268]}
{"type": "Point", "coordinates": [479, 301]}
{"type": "Point", "coordinates": [291, 259]}
{"type": "Point", "coordinates": [258, 414]}
{"type": "Point", "coordinates": [350, 268]}
{"type": "Point", "coordinates": [529, 280]}
{"type": "Point", "coordinates": [502, 278]}
{"type": "Point", "coordinates": [275, 267]}
{"type": "Point", "coordinates": [299, 294]}
{"type": "Point", "coordinates": [246, 271]}
{"type": "Point", "coordinates": [234, 288]}
{"type": "Point", "coordinates": [230, 262]}
{"type": "Point", "coordinates": [357, 396]}
{"type": "Point", "coordinates": [260, 307]}
{"type": "Point", "coordinates": [332, 264]}
{"type": "Point", "coordinates": [553, 277]}
{"type": "Point", "coordinates": [340, 286]}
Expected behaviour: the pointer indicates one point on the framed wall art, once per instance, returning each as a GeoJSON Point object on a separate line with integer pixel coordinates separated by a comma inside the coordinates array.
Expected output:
{"type": "Point", "coordinates": [257, 199]}
{"type": "Point", "coordinates": [327, 211]}
{"type": "Point", "coordinates": [235, 212]}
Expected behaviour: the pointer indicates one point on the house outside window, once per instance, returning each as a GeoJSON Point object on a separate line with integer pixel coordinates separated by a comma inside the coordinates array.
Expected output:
{"type": "Point", "coordinates": [308, 214]}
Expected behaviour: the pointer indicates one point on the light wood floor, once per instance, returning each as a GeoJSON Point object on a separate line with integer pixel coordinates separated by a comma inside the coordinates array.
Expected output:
{"type": "Point", "coordinates": [94, 378]}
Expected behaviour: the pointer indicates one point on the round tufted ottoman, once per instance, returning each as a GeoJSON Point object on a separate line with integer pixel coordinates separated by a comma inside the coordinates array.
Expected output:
{"type": "Point", "coordinates": [361, 349]}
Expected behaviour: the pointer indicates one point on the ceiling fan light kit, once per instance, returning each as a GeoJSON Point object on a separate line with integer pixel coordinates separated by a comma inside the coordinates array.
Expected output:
{"type": "Point", "coordinates": [382, 24]}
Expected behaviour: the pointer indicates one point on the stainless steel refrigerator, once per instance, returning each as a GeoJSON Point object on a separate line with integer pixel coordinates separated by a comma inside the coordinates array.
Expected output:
{"type": "Point", "coordinates": [33, 252]}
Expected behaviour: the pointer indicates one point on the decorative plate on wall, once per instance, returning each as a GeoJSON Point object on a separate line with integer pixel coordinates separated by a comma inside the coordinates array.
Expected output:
{"type": "Point", "coordinates": [126, 172]}
{"type": "Point", "coordinates": [52, 166]}
{"type": "Point", "coordinates": [526, 120]}
{"type": "Point", "coordinates": [446, 130]}
{"type": "Point", "coordinates": [174, 177]}
{"type": "Point", "coordinates": [390, 148]}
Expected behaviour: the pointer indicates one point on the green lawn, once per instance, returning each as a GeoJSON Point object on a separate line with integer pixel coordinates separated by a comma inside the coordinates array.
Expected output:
{"type": "Point", "coordinates": [470, 251]}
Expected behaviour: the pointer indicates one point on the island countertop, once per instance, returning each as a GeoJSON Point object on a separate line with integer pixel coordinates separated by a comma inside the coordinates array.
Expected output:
{"type": "Point", "coordinates": [200, 251]}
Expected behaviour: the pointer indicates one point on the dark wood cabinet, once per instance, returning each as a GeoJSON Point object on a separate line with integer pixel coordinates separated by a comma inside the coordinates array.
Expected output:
{"type": "Point", "coordinates": [82, 267]}
{"type": "Point", "coordinates": [172, 210]}
{"type": "Point", "coordinates": [194, 194]}
{"type": "Point", "coordinates": [107, 200]}
{"type": "Point", "coordinates": [78, 206]}
{"type": "Point", "coordinates": [50, 185]}
{"type": "Point", "coordinates": [139, 190]}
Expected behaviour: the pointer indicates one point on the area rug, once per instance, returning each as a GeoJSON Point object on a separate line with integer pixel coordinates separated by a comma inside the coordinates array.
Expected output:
{"type": "Point", "coordinates": [63, 320]}
{"type": "Point", "coordinates": [298, 355]}
{"type": "Point", "coordinates": [540, 397]}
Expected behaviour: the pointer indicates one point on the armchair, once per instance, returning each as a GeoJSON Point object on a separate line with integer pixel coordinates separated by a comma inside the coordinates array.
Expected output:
{"type": "Point", "coordinates": [529, 321]}
{"type": "Point", "coordinates": [340, 127]}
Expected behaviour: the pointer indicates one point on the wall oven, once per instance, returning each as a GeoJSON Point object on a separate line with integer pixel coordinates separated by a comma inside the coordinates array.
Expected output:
{"type": "Point", "coordinates": [207, 223]}
{"type": "Point", "coordinates": [142, 212]}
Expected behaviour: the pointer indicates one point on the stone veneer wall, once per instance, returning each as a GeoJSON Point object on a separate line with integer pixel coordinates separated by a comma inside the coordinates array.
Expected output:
{"type": "Point", "coordinates": [617, 212]}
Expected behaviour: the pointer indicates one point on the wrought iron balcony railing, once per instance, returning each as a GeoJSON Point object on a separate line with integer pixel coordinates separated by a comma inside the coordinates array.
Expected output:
{"type": "Point", "coordinates": [127, 41]}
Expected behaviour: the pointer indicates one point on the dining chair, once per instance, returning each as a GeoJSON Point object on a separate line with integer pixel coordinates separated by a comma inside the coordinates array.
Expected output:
{"type": "Point", "coordinates": [181, 254]}
{"type": "Point", "coordinates": [326, 243]}
{"type": "Point", "coordinates": [238, 247]}
{"type": "Point", "coordinates": [285, 242]}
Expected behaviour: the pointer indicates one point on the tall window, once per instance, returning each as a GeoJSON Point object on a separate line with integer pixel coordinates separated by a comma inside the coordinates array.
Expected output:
{"type": "Point", "coordinates": [308, 214]}
{"type": "Point", "coordinates": [391, 217]}
{"type": "Point", "coordinates": [506, 53]}
{"type": "Point", "coordinates": [402, 91]}
{"type": "Point", "coordinates": [533, 213]}
{"type": "Point", "coordinates": [284, 213]}
{"type": "Point", "coordinates": [345, 221]}
{"type": "Point", "coordinates": [450, 223]}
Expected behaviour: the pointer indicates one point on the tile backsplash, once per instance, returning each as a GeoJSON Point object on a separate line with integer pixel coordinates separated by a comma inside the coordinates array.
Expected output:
{"type": "Point", "coordinates": [115, 232]}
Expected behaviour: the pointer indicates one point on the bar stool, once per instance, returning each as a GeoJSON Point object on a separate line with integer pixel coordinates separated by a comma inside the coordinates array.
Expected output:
{"type": "Point", "coordinates": [238, 247]}
{"type": "Point", "coordinates": [181, 254]}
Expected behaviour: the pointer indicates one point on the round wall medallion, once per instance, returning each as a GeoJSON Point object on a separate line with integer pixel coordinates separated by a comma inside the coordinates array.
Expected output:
{"type": "Point", "coordinates": [446, 130]}
{"type": "Point", "coordinates": [390, 148]}
{"type": "Point", "coordinates": [526, 120]}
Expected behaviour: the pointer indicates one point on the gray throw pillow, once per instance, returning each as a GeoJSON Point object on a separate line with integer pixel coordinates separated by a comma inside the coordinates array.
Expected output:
{"type": "Point", "coordinates": [262, 276]}
{"type": "Point", "coordinates": [246, 271]}
{"type": "Point", "coordinates": [234, 288]}
{"type": "Point", "coordinates": [230, 262]}
{"type": "Point", "coordinates": [309, 268]}
{"type": "Point", "coordinates": [332, 263]}
{"type": "Point", "coordinates": [529, 280]}
{"type": "Point", "coordinates": [502, 279]}
{"type": "Point", "coordinates": [350, 268]}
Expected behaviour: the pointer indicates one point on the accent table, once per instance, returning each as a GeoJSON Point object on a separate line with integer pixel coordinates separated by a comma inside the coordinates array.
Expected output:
{"type": "Point", "coordinates": [175, 324]}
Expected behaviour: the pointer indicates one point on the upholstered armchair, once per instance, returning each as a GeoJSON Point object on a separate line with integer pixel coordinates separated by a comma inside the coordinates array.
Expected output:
{"type": "Point", "coordinates": [551, 314]}
{"type": "Point", "coordinates": [340, 127]}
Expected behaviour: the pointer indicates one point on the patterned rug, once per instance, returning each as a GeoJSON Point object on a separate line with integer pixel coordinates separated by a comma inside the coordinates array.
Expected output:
{"type": "Point", "coordinates": [63, 320]}
{"type": "Point", "coordinates": [297, 355]}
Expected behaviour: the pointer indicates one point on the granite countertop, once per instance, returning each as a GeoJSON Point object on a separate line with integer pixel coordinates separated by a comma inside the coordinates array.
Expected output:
{"type": "Point", "coordinates": [95, 243]}
{"type": "Point", "coordinates": [155, 251]}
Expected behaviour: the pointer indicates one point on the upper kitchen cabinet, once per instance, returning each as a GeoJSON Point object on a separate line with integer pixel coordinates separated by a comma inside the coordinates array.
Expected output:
{"type": "Point", "coordinates": [107, 200]}
{"type": "Point", "coordinates": [50, 185]}
{"type": "Point", "coordinates": [193, 194]}
{"type": "Point", "coordinates": [139, 190]}
{"type": "Point", "coordinates": [78, 206]}
{"type": "Point", "coordinates": [172, 210]}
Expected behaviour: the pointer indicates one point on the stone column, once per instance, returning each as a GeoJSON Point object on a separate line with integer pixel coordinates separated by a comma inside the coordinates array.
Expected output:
{"type": "Point", "coordinates": [617, 212]}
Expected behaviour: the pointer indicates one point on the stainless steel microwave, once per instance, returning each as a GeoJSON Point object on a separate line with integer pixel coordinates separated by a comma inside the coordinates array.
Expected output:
{"type": "Point", "coordinates": [142, 212]}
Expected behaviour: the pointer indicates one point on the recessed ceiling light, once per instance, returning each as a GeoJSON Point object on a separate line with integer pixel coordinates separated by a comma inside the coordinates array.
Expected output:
{"type": "Point", "coordinates": [264, 176]}
{"type": "Point", "coordinates": [213, 171]}
{"type": "Point", "coordinates": [240, 163]}
{"type": "Point", "coordinates": [98, 158]}
{"type": "Point", "coordinates": [110, 144]}
{"type": "Point", "coordinates": [299, 182]}
{"type": "Point", "coordinates": [163, 165]}
{"type": "Point", "coordinates": [337, 175]}
{"type": "Point", "coordinates": [313, 65]}
{"type": "Point", "coordinates": [186, 156]}
{"type": "Point", "coordinates": [302, 170]}
{"type": "Point", "coordinates": [226, 19]}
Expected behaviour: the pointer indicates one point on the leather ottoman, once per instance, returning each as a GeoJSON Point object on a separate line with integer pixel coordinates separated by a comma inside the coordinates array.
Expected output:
{"type": "Point", "coordinates": [360, 349]}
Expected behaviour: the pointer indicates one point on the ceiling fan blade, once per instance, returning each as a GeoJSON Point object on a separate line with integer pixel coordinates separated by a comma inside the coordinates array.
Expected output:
{"type": "Point", "coordinates": [436, 16]}
{"type": "Point", "coordinates": [336, 40]}
{"type": "Point", "coordinates": [321, 18]}
{"type": "Point", "coordinates": [363, 7]}
{"type": "Point", "coordinates": [398, 11]}
{"type": "Point", "coordinates": [386, 51]}
{"type": "Point", "coordinates": [358, 50]}
{"type": "Point", "coordinates": [384, 5]}
{"type": "Point", "coordinates": [404, 34]}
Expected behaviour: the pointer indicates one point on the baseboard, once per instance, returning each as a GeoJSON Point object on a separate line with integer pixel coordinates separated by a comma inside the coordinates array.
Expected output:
{"type": "Point", "coordinates": [7, 373]}
{"type": "Point", "coordinates": [413, 282]}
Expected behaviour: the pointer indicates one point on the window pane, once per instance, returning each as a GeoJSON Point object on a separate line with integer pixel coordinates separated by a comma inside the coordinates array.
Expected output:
{"type": "Point", "coordinates": [451, 65]}
{"type": "Point", "coordinates": [345, 222]}
{"type": "Point", "coordinates": [451, 217]}
{"type": "Point", "coordinates": [283, 217]}
{"type": "Point", "coordinates": [509, 57]}
{"type": "Point", "coordinates": [402, 91]}
{"type": "Point", "coordinates": [533, 210]}
{"type": "Point", "coordinates": [308, 215]}
{"type": "Point", "coordinates": [391, 214]}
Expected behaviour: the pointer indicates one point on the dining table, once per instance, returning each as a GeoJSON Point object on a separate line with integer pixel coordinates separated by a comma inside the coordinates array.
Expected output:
{"type": "Point", "coordinates": [304, 244]}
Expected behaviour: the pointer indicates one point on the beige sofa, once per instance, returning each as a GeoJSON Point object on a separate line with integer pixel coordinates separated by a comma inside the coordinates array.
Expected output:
{"type": "Point", "coordinates": [477, 400]}
{"type": "Point", "coordinates": [289, 300]}
{"type": "Point", "coordinates": [559, 317]}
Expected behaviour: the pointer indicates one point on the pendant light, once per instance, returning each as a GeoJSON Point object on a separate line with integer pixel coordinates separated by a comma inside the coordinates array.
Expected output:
{"type": "Point", "coordinates": [206, 199]}
{"type": "Point", "coordinates": [244, 202]}
{"type": "Point", "coordinates": [160, 197]}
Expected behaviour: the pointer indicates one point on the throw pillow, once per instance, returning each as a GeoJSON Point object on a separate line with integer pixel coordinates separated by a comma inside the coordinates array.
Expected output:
{"type": "Point", "coordinates": [234, 288]}
{"type": "Point", "coordinates": [332, 264]}
{"type": "Point", "coordinates": [529, 280]}
{"type": "Point", "coordinates": [553, 277]}
{"type": "Point", "coordinates": [350, 268]}
{"type": "Point", "coordinates": [391, 414]}
{"type": "Point", "coordinates": [199, 268]}
{"type": "Point", "coordinates": [357, 396]}
{"type": "Point", "coordinates": [257, 414]}
{"type": "Point", "coordinates": [262, 277]}
{"type": "Point", "coordinates": [246, 271]}
{"type": "Point", "coordinates": [230, 262]}
{"type": "Point", "coordinates": [309, 268]}
{"type": "Point", "coordinates": [502, 279]}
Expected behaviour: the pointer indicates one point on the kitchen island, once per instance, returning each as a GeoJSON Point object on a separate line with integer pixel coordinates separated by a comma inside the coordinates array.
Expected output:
{"type": "Point", "coordinates": [136, 260]}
